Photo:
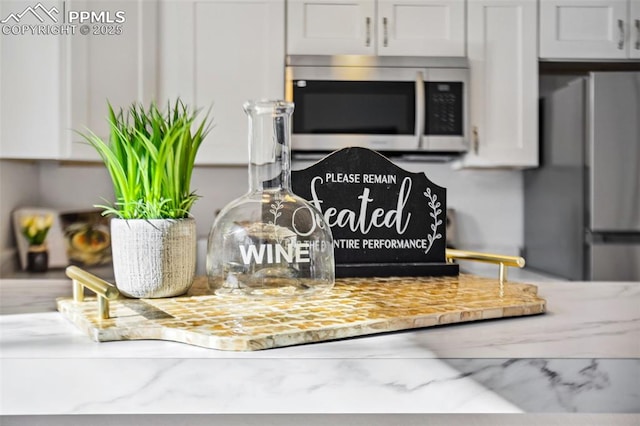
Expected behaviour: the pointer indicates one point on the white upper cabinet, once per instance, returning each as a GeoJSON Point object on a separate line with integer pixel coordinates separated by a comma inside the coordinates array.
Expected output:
{"type": "Point", "coordinates": [504, 83]}
{"type": "Point", "coordinates": [53, 84]}
{"type": "Point", "coordinates": [331, 27]}
{"type": "Point", "coordinates": [31, 72]}
{"type": "Point", "coordinates": [589, 29]}
{"type": "Point", "coordinates": [114, 63]}
{"type": "Point", "coordinates": [370, 27]}
{"type": "Point", "coordinates": [212, 53]}
{"type": "Point", "coordinates": [421, 28]}
{"type": "Point", "coordinates": [221, 54]}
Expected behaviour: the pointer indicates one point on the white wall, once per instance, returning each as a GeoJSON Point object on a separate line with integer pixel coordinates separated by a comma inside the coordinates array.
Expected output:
{"type": "Point", "coordinates": [489, 207]}
{"type": "Point", "coordinates": [488, 203]}
{"type": "Point", "coordinates": [18, 188]}
{"type": "Point", "coordinates": [80, 186]}
{"type": "Point", "coordinates": [73, 186]}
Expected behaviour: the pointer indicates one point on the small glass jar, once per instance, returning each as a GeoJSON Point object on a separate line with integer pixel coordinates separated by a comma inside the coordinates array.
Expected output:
{"type": "Point", "coordinates": [270, 242]}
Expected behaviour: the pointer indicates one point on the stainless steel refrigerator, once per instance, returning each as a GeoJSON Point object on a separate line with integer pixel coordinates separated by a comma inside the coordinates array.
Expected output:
{"type": "Point", "coordinates": [582, 205]}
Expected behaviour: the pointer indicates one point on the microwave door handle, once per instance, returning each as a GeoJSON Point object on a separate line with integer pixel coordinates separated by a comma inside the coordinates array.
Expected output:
{"type": "Point", "coordinates": [420, 107]}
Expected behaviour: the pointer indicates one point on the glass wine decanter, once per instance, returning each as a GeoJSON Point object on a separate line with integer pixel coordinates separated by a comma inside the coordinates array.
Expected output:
{"type": "Point", "coordinates": [270, 242]}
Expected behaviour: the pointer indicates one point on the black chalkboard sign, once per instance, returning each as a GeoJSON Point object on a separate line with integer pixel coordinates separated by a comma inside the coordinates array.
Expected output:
{"type": "Point", "coordinates": [385, 220]}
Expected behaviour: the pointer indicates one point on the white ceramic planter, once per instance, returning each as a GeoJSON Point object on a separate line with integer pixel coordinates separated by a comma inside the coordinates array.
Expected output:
{"type": "Point", "coordinates": [153, 258]}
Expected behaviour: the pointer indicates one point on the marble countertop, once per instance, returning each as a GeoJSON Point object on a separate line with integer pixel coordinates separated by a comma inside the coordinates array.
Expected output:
{"type": "Point", "coordinates": [582, 356]}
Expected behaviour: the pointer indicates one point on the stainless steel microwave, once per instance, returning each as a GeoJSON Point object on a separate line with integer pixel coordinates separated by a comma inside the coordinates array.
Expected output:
{"type": "Point", "coordinates": [401, 105]}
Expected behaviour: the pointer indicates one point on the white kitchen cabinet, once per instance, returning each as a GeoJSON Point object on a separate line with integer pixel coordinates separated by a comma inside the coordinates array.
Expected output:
{"type": "Point", "coordinates": [221, 54]}
{"type": "Point", "coordinates": [31, 69]}
{"type": "Point", "coordinates": [589, 29]}
{"type": "Point", "coordinates": [370, 27]}
{"type": "Point", "coordinates": [421, 28]}
{"type": "Point", "coordinates": [55, 84]}
{"type": "Point", "coordinates": [504, 83]}
{"type": "Point", "coordinates": [331, 27]}
{"type": "Point", "coordinates": [114, 63]}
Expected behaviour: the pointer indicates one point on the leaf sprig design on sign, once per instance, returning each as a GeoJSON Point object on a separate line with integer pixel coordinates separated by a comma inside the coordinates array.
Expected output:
{"type": "Point", "coordinates": [435, 213]}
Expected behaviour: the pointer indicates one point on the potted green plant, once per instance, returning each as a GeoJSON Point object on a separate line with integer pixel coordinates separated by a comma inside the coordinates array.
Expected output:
{"type": "Point", "coordinates": [150, 157]}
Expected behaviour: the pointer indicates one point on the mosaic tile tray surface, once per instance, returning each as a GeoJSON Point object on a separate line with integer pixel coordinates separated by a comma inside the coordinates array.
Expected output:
{"type": "Point", "coordinates": [355, 307]}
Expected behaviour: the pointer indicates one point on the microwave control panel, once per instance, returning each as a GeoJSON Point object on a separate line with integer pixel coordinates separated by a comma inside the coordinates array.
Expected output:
{"type": "Point", "coordinates": [444, 108]}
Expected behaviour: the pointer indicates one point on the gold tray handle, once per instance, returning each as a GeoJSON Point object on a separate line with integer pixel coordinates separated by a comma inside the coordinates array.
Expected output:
{"type": "Point", "coordinates": [502, 260]}
{"type": "Point", "coordinates": [104, 290]}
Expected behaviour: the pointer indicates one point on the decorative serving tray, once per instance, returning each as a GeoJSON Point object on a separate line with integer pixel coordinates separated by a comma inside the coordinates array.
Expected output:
{"type": "Point", "coordinates": [355, 307]}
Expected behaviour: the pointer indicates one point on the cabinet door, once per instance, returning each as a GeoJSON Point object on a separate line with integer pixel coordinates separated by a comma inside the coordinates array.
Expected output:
{"type": "Point", "coordinates": [587, 29]}
{"type": "Point", "coordinates": [504, 83]}
{"type": "Point", "coordinates": [331, 27]}
{"type": "Point", "coordinates": [421, 27]}
{"type": "Point", "coordinates": [114, 63]}
{"type": "Point", "coordinates": [31, 69]}
{"type": "Point", "coordinates": [223, 53]}
{"type": "Point", "coordinates": [634, 20]}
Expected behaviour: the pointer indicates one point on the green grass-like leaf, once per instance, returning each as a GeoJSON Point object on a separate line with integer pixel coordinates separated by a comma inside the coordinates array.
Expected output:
{"type": "Point", "coordinates": [150, 157]}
